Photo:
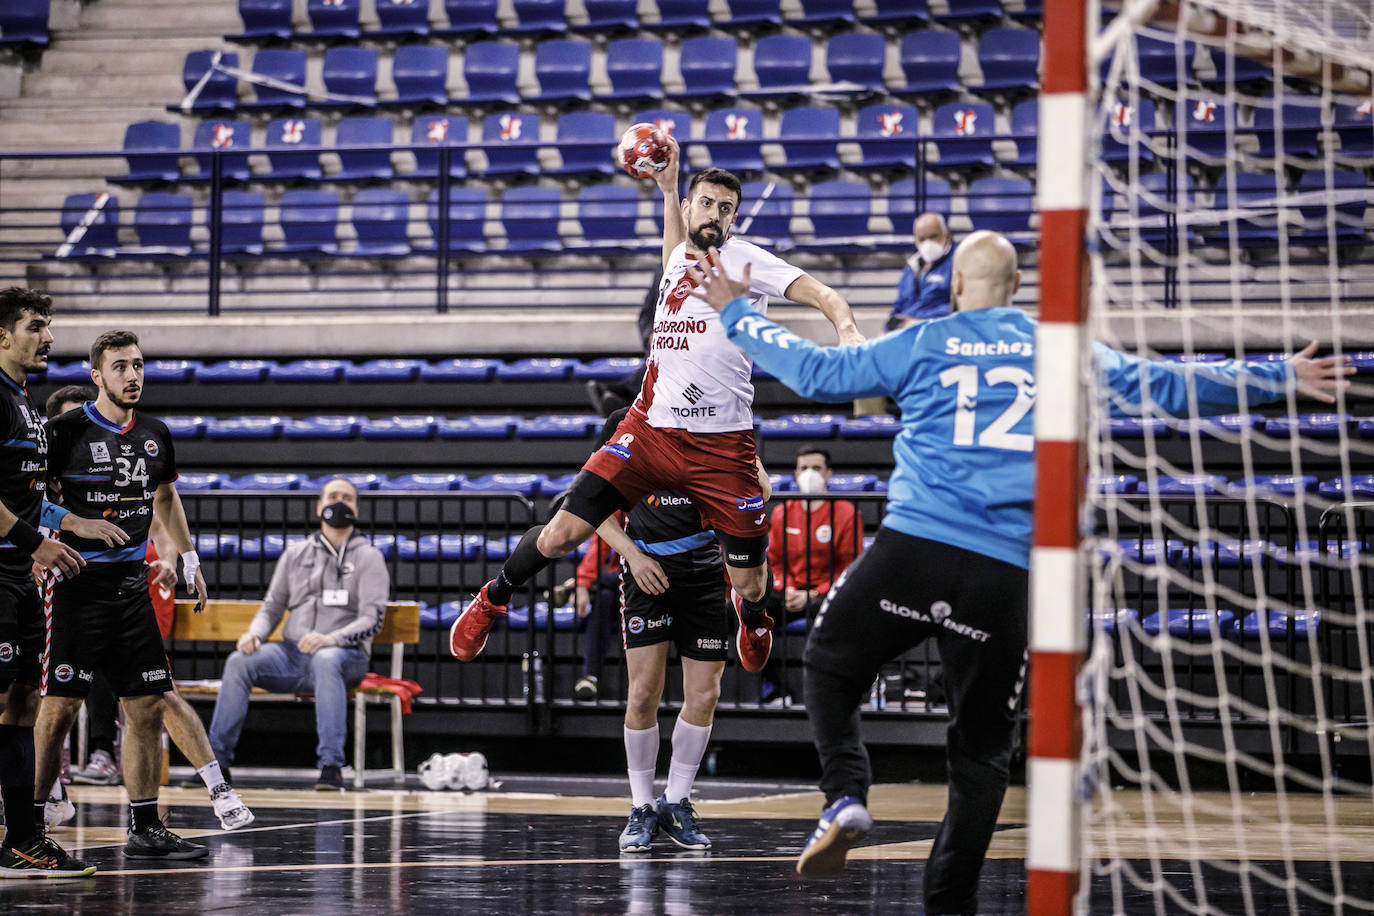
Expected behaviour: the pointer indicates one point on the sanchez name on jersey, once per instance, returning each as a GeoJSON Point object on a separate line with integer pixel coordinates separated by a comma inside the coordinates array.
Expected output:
{"type": "Point", "coordinates": [23, 470]}
{"type": "Point", "coordinates": [110, 472]}
{"type": "Point", "coordinates": [696, 379]}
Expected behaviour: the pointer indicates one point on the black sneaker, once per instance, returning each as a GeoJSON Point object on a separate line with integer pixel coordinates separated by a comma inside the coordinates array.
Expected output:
{"type": "Point", "coordinates": [157, 842]}
{"type": "Point", "coordinates": [331, 779]}
{"type": "Point", "coordinates": [41, 859]}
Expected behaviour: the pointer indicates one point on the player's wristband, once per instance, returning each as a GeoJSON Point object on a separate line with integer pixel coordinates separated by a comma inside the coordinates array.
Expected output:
{"type": "Point", "coordinates": [25, 537]}
{"type": "Point", "coordinates": [190, 560]}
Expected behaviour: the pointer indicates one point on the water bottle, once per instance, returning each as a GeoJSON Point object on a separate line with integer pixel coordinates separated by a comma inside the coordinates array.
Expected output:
{"type": "Point", "coordinates": [538, 676]}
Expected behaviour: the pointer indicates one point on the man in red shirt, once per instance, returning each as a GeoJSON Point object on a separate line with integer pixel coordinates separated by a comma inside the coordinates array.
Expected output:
{"type": "Point", "coordinates": [810, 542]}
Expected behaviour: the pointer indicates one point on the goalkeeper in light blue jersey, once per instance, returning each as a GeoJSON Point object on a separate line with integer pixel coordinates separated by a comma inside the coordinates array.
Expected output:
{"type": "Point", "coordinates": [950, 559]}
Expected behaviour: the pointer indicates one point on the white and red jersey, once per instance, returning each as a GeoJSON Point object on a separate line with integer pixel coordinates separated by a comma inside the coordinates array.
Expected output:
{"type": "Point", "coordinates": [696, 379]}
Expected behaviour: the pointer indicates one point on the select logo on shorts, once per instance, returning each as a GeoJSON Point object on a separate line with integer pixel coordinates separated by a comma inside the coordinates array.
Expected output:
{"type": "Point", "coordinates": [6, 652]}
{"type": "Point", "coordinates": [64, 673]}
{"type": "Point", "coordinates": [151, 448]}
{"type": "Point", "coordinates": [750, 503]}
{"type": "Point", "coordinates": [635, 625]}
{"type": "Point", "coordinates": [157, 674]}
{"type": "Point", "coordinates": [100, 451]}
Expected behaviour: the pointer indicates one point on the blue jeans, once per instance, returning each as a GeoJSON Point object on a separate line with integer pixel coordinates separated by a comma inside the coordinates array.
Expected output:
{"type": "Point", "coordinates": [282, 668]}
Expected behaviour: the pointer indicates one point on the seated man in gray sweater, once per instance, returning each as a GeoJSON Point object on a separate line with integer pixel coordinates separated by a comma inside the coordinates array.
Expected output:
{"type": "Point", "coordinates": [335, 584]}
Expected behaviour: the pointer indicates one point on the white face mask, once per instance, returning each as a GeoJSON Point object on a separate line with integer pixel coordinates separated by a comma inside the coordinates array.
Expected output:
{"type": "Point", "coordinates": [811, 481]}
{"type": "Point", "coordinates": [930, 250]}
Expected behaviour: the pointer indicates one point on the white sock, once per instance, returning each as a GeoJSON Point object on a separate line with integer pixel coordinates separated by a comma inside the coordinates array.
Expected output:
{"type": "Point", "coordinates": [56, 793]}
{"type": "Point", "coordinates": [641, 756]}
{"type": "Point", "coordinates": [212, 776]}
{"type": "Point", "coordinates": [689, 746]}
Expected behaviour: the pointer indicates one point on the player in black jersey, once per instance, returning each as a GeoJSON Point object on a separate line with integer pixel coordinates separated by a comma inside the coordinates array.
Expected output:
{"type": "Point", "coordinates": [673, 589]}
{"type": "Point", "coordinates": [108, 461]}
{"type": "Point", "coordinates": [25, 340]}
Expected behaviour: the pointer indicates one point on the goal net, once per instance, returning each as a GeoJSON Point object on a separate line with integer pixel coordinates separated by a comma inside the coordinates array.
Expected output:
{"type": "Point", "coordinates": [1227, 700]}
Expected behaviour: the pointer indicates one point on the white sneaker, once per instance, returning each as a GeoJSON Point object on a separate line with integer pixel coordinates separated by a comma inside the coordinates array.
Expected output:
{"type": "Point", "coordinates": [469, 772]}
{"type": "Point", "coordinates": [434, 772]}
{"type": "Point", "coordinates": [229, 808]}
{"type": "Point", "coordinates": [100, 770]}
{"type": "Point", "coordinates": [58, 811]}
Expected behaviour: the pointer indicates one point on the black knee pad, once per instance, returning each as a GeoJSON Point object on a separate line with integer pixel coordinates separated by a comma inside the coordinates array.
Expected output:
{"type": "Point", "coordinates": [744, 553]}
{"type": "Point", "coordinates": [593, 499]}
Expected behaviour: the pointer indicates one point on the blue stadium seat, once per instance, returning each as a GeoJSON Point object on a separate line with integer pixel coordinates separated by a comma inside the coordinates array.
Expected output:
{"type": "Point", "coordinates": [1189, 485]}
{"type": "Point", "coordinates": [930, 62]}
{"type": "Point", "coordinates": [782, 483]}
{"type": "Point", "coordinates": [1355, 126]}
{"type": "Point", "coordinates": [282, 65]}
{"type": "Point", "coordinates": [321, 428]}
{"type": "Point", "coordinates": [1010, 59]}
{"type": "Point", "coordinates": [1280, 624]}
{"type": "Point", "coordinates": [539, 17]}
{"type": "Point", "coordinates": [1152, 197]}
{"type": "Point", "coordinates": [854, 61]}
{"type": "Point", "coordinates": [222, 546]}
{"type": "Point", "coordinates": [782, 67]}
{"type": "Point", "coordinates": [490, 69]}
{"type": "Point", "coordinates": [467, 213]}
{"type": "Point", "coordinates": [1150, 551]}
{"type": "Point", "coordinates": [1119, 483]}
{"type": "Point", "coordinates": [1025, 127]}
{"type": "Point", "coordinates": [307, 370]}
{"type": "Point", "coordinates": [607, 368]}
{"type": "Point", "coordinates": [879, 427]}
{"type": "Point", "coordinates": [224, 135]}
{"type": "Point", "coordinates": [899, 12]}
{"type": "Point", "coordinates": [530, 218]}
{"type": "Point", "coordinates": [289, 133]}
{"type": "Point", "coordinates": [683, 15]}
{"type": "Point", "coordinates": [707, 65]}
{"type": "Point", "coordinates": [1271, 486]}
{"type": "Point", "coordinates": [563, 68]}
{"type": "Point", "coordinates": [1233, 70]}
{"type": "Point", "coordinates": [1201, 121]}
{"type": "Point", "coordinates": [24, 23]}
{"type": "Point", "coordinates": [380, 219]}
{"type": "Point", "coordinates": [162, 223]}
{"type": "Point", "coordinates": [576, 127]}
{"type": "Point", "coordinates": [753, 14]}
{"type": "Point", "coordinates": [954, 122]}
{"type": "Point", "coordinates": [635, 69]}
{"type": "Point", "coordinates": [605, 17]}
{"type": "Point", "coordinates": [852, 483]}
{"type": "Point", "coordinates": [194, 481]}
{"type": "Point", "coordinates": [1108, 620]}
{"type": "Point", "coordinates": [807, 124]}
{"type": "Point", "coordinates": [1302, 125]}
{"type": "Point", "coordinates": [966, 11]}
{"type": "Point", "coordinates": [1158, 60]}
{"type": "Point", "coordinates": [101, 238]}
{"type": "Point", "coordinates": [385, 544]}
{"type": "Point", "coordinates": [1125, 115]}
{"type": "Point", "coordinates": [887, 137]}
{"type": "Point", "coordinates": [383, 370]}
{"type": "Point", "coordinates": [825, 14]}
{"type": "Point", "coordinates": [556, 486]}
{"type": "Point", "coordinates": [179, 427]}
{"type": "Point", "coordinates": [1255, 192]}
{"type": "Point", "coordinates": [350, 71]}
{"type": "Point", "coordinates": [150, 137]}
{"type": "Point", "coordinates": [901, 201]}
{"type": "Point", "coordinates": [234, 372]}
{"type": "Point", "coordinates": [484, 427]}
{"type": "Point", "coordinates": [524, 484]}
{"type": "Point", "coordinates": [516, 140]}
{"type": "Point", "coordinates": [397, 428]}
{"type": "Point", "coordinates": [420, 73]}
{"type": "Point", "coordinates": [439, 130]}
{"type": "Point", "coordinates": [799, 426]}
{"type": "Point", "coordinates": [1001, 204]}
{"type": "Point", "coordinates": [1361, 487]}
{"type": "Point", "coordinates": [470, 18]}
{"type": "Point", "coordinates": [364, 164]}
{"type": "Point", "coordinates": [839, 212]}
{"type": "Point", "coordinates": [459, 370]}
{"type": "Point", "coordinates": [607, 214]}
{"type": "Point", "coordinates": [1227, 427]}
{"type": "Point", "coordinates": [1136, 428]}
{"type": "Point", "coordinates": [1310, 426]}
{"type": "Point", "coordinates": [333, 19]}
{"type": "Point", "coordinates": [767, 213]}
{"type": "Point", "coordinates": [269, 547]}
{"type": "Point", "coordinates": [443, 616]}
{"type": "Point", "coordinates": [309, 222]}
{"type": "Point", "coordinates": [1189, 624]}
{"type": "Point", "coordinates": [442, 482]}
{"type": "Point", "coordinates": [734, 125]}
{"type": "Point", "coordinates": [402, 18]}
{"type": "Point", "coordinates": [243, 428]}
{"type": "Point", "coordinates": [220, 91]}
{"type": "Point", "coordinates": [446, 547]}
{"type": "Point", "coordinates": [536, 369]}
{"type": "Point", "coordinates": [1347, 193]}
{"type": "Point", "coordinates": [264, 20]}
{"type": "Point", "coordinates": [241, 220]}
{"type": "Point", "coordinates": [169, 370]}
{"type": "Point", "coordinates": [558, 427]}
{"type": "Point", "coordinates": [675, 123]}
{"type": "Point", "coordinates": [69, 373]}
{"type": "Point", "coordinates": [518, 618]}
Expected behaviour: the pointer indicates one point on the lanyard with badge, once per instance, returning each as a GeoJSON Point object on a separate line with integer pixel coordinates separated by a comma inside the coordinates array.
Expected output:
{"type": "Point", "coordinates": [336, 597]}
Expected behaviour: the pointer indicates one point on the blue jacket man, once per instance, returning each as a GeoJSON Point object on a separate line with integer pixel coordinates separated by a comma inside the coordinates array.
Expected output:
{"type": "Point", "coordinates": [923, 291]}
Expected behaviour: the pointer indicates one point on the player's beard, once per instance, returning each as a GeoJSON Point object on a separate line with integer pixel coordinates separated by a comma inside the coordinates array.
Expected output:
{"type": "Point", "coordinates": [703, 242]}
{"type": "Point", "coordinates": [120, 400]}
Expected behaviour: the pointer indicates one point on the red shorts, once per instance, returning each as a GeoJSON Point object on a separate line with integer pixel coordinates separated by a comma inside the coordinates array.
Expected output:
{"type": "Point", "coordinates": [716, 470]}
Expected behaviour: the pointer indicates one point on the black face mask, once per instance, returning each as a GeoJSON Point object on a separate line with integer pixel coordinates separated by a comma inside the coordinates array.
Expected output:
{"type": "Point", "coordinates": [338, 515]}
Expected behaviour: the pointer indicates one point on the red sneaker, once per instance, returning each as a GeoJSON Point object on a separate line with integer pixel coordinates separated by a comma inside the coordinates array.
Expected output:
{"type": "Point", "coordinates": [468, 635]}
{"type": "Point", "coordinates": [753, 645]}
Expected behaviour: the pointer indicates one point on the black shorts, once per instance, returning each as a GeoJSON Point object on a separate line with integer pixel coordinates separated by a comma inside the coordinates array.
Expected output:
{"type": "Point", "coordinates": [21, 633]}
{"type": "Point", "coordinates": [694, 614]}
{"type": "Point", "coordinates": [103, 620]}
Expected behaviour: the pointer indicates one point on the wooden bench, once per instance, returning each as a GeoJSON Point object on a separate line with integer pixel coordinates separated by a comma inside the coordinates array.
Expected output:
{"type": "Point", "coordinates": [226, 621]}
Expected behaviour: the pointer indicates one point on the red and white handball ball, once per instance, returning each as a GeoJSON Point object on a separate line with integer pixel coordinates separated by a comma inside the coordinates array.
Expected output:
{"type": "Point", "coordinates": [644, 150]}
